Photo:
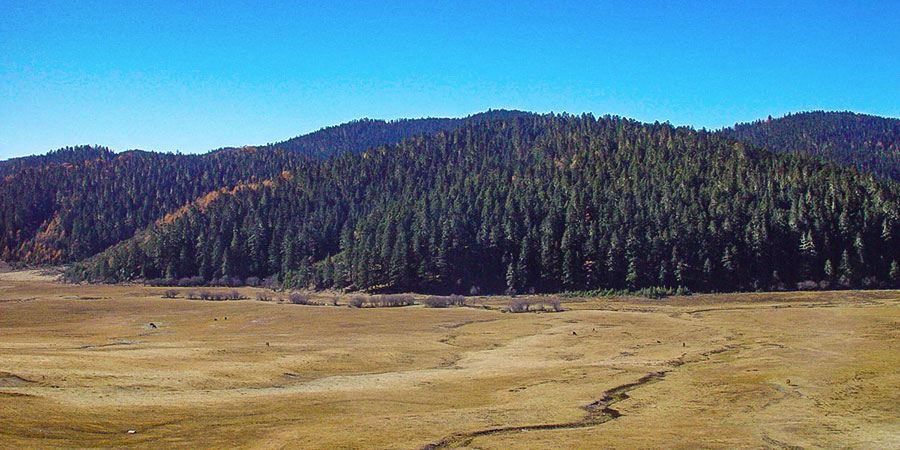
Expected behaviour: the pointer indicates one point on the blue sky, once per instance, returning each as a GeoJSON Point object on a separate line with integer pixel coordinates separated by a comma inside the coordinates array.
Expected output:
{"type": "Point", "coordinates": [193, 76]}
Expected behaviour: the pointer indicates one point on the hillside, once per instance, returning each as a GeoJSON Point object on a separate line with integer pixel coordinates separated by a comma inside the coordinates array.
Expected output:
{"type": "Point", "coordinates": [74, 202]}
{"type": "Point", "coordinates": [868, 143]}
{"type": "Point", "coordinates": [67, 211]}
{"type": "Point", "coordinates": [552, 202]}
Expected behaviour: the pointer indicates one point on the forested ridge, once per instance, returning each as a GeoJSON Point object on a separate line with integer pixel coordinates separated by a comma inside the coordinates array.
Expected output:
{"type": "Point", "coordinates": [64, 211]}
{"type": "Point", "coordinates": [868, 143]}
{"type": "Point", "coordinates": [360, 135]}
{"type": "Point", "coordinates": [552, 202]}
{"type": "Point", "coordinates": [70, 155]}
{"type": "Point", "coordinates": [74, 202]}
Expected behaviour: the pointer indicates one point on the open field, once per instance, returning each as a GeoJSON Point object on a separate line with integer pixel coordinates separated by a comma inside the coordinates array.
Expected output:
{"type": "Point", "coordinates": [80, 366]}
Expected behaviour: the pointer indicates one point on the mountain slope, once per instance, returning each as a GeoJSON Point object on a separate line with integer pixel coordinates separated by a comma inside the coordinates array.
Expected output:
{"type": "Point", "coordinates": [868, 143]}
{"type": "Point", "coordinates": [546, 202]}
{"type": "Point", "coordinates": [74, 202]}
{"type": "Point", "coordinates": [62, 212]}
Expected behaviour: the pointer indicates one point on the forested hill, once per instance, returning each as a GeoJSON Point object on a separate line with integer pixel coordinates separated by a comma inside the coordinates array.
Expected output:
{"type": "Point", "coordinates": [74, 202]}
{"type": "Point", "coordinates": [546, 202]}
{"type": "Point", "coordinates": [64, 211]}
{"type": "Point", "coordinates": [359, 135]}
{"type": "Point", "coordinates": [868, 143]}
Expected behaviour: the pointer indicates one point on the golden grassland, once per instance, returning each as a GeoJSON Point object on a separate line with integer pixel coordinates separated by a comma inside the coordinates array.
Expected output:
{"type": "Point", "coordinates": [80, 367]}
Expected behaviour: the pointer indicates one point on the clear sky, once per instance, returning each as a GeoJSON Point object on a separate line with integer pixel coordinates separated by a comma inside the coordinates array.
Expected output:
{"type": "Point", "coordinates": [191, 76]}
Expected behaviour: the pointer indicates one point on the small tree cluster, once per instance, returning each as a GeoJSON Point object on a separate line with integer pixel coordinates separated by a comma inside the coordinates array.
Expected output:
{"type": "Point", "coordinates": [534, 304]}
{"type": "Point", "coordinates": [170, 293]}
{"type": "Point", "coordinates": [271, 282]}
{"type": "Point", "coordinates": [381, 301]}
{"type": "Point", "coordinates": [220, 296]}
{"type": "Point", "coordinates": [390, 301]}
{"type": "Point", "coordinates": [444, 301]}
{"type": "Point", "coordinates": [297, 298]}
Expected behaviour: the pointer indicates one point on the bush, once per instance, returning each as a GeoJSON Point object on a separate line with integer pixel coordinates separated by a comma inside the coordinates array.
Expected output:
{"type": "Point", "coordinates": [264, 296]}
{"type": "Point", "coordinates": [554, 304]}
{"type": "Point", "coordinates": [648, 292]}
{"type": "Point", "coordinates": [271, 282]}
{"type": "Point", "coordinates": [192, 281]}
{"type": "Point", "coordinates": [390, 301]}
{"type": "Point", "coordinates": [443, 302]}
{"type": "Point", "coordinates": [357, 301]}
{"type": "Point", "coordinates": [170, 293]}
{"type": "Point", "coordinates": [162, 282]}
{"type": "Point", "coordinates": [807, 285]}
{"type": "Point", "coordinates": [300, 299]}
{"type": "Point", "coordinates": [436, 302]}
{"type": "Point", "coordinates": [191, 295]}
{"type": "Point", "coordinates": [252, 281]}
{"type": "Point", "coordinates": [539, 304]}
{"type": "Point", "coordinates": [519, 305]}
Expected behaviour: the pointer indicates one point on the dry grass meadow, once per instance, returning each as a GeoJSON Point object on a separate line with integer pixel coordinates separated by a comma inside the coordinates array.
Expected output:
{"type": "Point", "coordinates": [81, 367]}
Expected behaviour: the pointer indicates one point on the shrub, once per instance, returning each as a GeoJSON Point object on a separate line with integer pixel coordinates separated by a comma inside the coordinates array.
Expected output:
{"type": "Point", "coordinates": [807, 285]}
{"type": "Point", "coordinates": [436, 302]}
{"type": "Point", "coordinates": [443, 302]}
{"type": "Point", "coordinates": [271, 282]}
{"type": "Point", "coordinates": [192, 281]}
{"type": "Point", "coordinates": [540, 304]}
{"type": "Point", "coordinates": [252, 281]}
{"type": "Point", "coordinates": [264, 296]}
{"type": "Point", "coordinates": [390, 301]}
{"type": "Point", "coordinates": [191, 295]}
{"type": "Point", "coordinates": [519, 305]}
{"type": "Point", "coordinates": [300, 299]}
{"type": "Point", "coordinates": [554, 303]}
{"type": "Point", "coordinates": [161, 282]}
{"type": "Point", "coordinates": [170, 293]}
{"type": "Point", "coordinates": [206, 295]}
{"type": "Point", "coordinates": [357, 301]}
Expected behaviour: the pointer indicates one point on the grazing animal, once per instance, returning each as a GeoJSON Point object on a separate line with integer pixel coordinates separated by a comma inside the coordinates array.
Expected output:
{"type": "Point", "coordinates": [658, 342]}
{"type": "Point", "coordinates": [267, 344]}
{"type": "Point", "coordinates": [683, 344]}
{"type": "Point", "coordinates": [574, 334]}
{"type": "Point", "coordinates": [215, 320]}
{"type": "Point", "coordinates": [226, 317]}
{"type": "Point", "coordinates": [787, 382]}
{"type": "Point", "coordinates": [152, 325]}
